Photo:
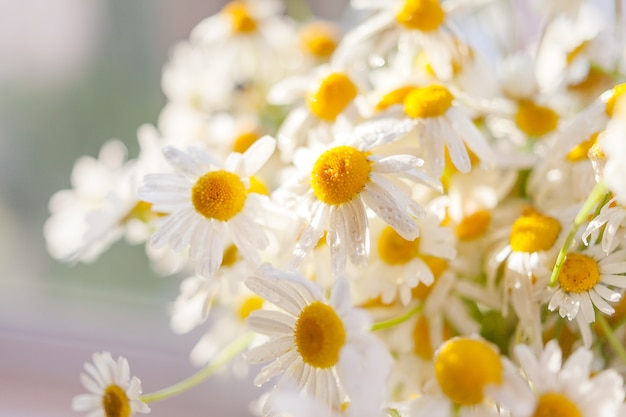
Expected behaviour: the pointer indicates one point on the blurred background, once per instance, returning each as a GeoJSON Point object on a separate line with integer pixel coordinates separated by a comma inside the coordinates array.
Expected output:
{"type": "Point", "coordinates": [73, 74]}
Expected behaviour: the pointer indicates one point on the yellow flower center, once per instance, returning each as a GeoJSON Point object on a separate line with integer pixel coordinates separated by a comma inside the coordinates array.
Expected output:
{"type": "Point", "coordinates": [473, 225]}
{"type": "Point", "coordinates": [319, 39]}
{"type": "Point", "coordinates": [115, 403]}
{"type": "Point", "coordinates": [535, 120]}
{"type": "Point", "coordinates": [332, 96]}
{"type": "Point", "coordinates": [424, 15]}
{"type": "Point", "coordinates": [617, 92]}
{"type": "Point", "coordinates": [396, 250]}
{"type": "Point", "coordinates": [431, 101]}
{"type": "Point", "coordinates": [340, 174]}
{"type": "Point", "coordinates": [580, 152]}
{"type": "Point", "coordinates": [142, 211]}
{"type": "Point", "coordinates": [254, 302]}
{"type": "Point", "coordinates": [218, 195]}
{"type": "Point", "coordinates": [464, 367]}
{"type": "Point", "coordinates": [580, 273]}
{"type": "Point", "coordinates": [319, 335]}
{"type": "Point", "coordinates": [258, 186]}
{"type": "Point", "coordinates": [231, 255]}
{"type": "Point", "coordinates": [533, 232]}
{"type": "Point", "coordinates": [396, 96]}
{"type": "Point", "coordinates": [240, 19]}
{"type": "Point", "coordinates": [554, 404]}
{"type": "Point", "coordinates": [244, 140]}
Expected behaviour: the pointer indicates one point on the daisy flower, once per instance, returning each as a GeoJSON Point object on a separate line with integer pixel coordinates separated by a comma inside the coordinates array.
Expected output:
{"type": "Point", "coordinates": [324, 346]}
{"type": "Point", "coordinates": [569, 389]}
{"type": "Point", "coordinates": [207, 203]}
{"type": "Point", "coordinates": [440, 124]}
{"type": "Point", "coordinates": [470, 373]}
{"type": "Point", "coordinates": [337, 183]}
{"type": "Point", "coordinates": [112, 391]}
{"type": "Point", "coordinates": [586, 280]}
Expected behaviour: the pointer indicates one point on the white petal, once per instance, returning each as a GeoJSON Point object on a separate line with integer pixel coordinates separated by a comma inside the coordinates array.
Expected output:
{"type": "Point", "coordinates": [271, 350]}
{"type": "Point", "coordinates": [257, 155]}
{"type": "Point", "coordinates": [382, 131]}
{"type": "Point", "coordinates": [271, 323]}
{"type": "Point", "coordinates": [385, 205]}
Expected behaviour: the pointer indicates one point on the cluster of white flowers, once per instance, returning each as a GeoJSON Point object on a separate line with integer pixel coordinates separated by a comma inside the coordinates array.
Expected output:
{"type": "Point", "coordinates": [425, 216]}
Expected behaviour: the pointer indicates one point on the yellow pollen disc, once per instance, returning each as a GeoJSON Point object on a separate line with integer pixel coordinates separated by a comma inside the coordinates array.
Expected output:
{"type": "Point", "coordinates": [340, 174]}
{"type": "Point", "coordinates": [580, 152]}
{"type": "Point", "coordinates": [554, 404]}
{"type": "Point", "coordinates": [142, 211]}
{"type": "Point", "coordinates": [319, 335]}
{"type": "Point", "coordinates": [424, 15]}
{"type": "Point", "coordinates": [592, 85]}
{"type": "Point", "coordinates": [422, 345]}
{"type": "Point", "coordinates": [250, 304]}
{"type": "Point", "coordinates": [240, 19]}
{"type": "Point", "coordinates": [332, 96]}
{"type": "Point", "coordinates": [258, 186]}
{"type": "Point", "coordinates": [533, 232]}
{"type": "Point", "coordinates": [617, 92]}
{"type": "Point", "coordinates": [464, 367]}
{"type": "Point", "coordinates": [244, 141]}
{"type": "Point", "coordinates": [218, 195]}
{"type": "Point", "coordinates": [431, 101]}
{"type": "Point", "coordinates": [595, 152]}
{"type": "Point", "coordinates": [473, 225]}
{"type": "Point", "coordinates": [319, 39]}
{"type": "Point", "coordinates": [580, 273]}
{"type": "Point", "coordinates": [396, 96]}
{"type": "Point", "coordinates": [396, 250]}
{"type": "Point", "coordinates": [535, 120]}
{"type": "Point", "coordinates": [231, 255]}
{"type": "Point", "coordinates": [115, 403]}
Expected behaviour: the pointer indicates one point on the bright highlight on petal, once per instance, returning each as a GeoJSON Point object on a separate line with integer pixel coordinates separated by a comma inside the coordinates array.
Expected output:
{"type": "Point", "coordinates": [393, 249]}
{"type": "Point", "coordinates": [218, 195]}
{"type": "Point", "coordinates": [535, 120]}
{"type": "Point", "coordinates": [533, 232]}
{"type": "Point", "coordinates": [431, 101]}
{"type": "Point", "coordinates": [340, 174]}
{"type": "Point", "coordinates": [115, 403]}
{"type": "Point", "coordinates": [464, 367]}
{"type": "Point", "coordinates": [334, 94]}
{"type": "Point", "coordinates": [580, 273]}
{"type": "Point", "coordinates": [240, 19]}
{"type": "Point", "coordinates": [424, 15]}
{"type": "Point", "coordinates": [319, 335]}
{"type": "Point", "coordinates": [553, 404]}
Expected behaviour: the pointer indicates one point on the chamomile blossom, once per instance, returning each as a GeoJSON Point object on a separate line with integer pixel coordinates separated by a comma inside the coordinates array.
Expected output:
{"type": "Point", "coordinates": [587, 281]}
{"type": "Point", "coordinates": [112, 390]}
{"type": "Point", "coordinates": [336, 183]}
{"type": "Point", "coordinates": [441, 123]}
{"type": "Point", "coordinates": [323, 346]}
{"type": "Point", "coordinates": [471, 373]}
{"type": "Point", "coordinates": [207, 203]}
{"type": "Point", "coordinates": [569, 388]}
{"type": "Point", "coordinates": [610, 223]}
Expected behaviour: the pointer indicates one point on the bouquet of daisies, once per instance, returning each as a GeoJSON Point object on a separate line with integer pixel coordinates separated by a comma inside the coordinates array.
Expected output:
{"type": "Point", "coordinates": [419, 213]}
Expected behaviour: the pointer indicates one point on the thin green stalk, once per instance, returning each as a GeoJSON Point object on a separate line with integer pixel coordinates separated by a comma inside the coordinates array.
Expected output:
{"type": "Point", "coordinates": [610, 337]}
{"type": "Point", "coordinates": [595, 196]}
{"type": "Point", "coordinates": [221, 359]}
{"type": "Point", "coordinates": [392, 412]}
{"type": "Point", "coordinates": [397, 320]}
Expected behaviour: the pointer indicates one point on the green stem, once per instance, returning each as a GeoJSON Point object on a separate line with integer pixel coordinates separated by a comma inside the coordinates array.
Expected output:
{"type": "Point", "coordinates": [221, 359]}
{"type": "Point", "coordinates": [594, 197]}
{"type": "Point", "coordinates": [610, 337]}
{"type": "Point", "coordinates": [392, 412]}
{"type": "Point", "coordinates": [397, 320]}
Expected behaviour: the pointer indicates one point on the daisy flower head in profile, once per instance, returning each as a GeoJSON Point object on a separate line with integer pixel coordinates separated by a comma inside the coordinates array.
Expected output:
{"type": "Point", "coordinates": [610, 223]}
{"type": "Point", "coordinates": [589, 279]}
{"type": "Point", "coordinates": [207, 203]}
{"type": "Point", "coordinates": [322, 345]}
{"type": "Point", "coordinates": [440, 124]}
{"type": "Point", "coordinates": [112, 391]}
{"type": "Point", "coordinates": [337, 182]}
{"type": "Point", "coordinates": [572, 388]}
{"type": "Point", "coordinates": [471, 374]}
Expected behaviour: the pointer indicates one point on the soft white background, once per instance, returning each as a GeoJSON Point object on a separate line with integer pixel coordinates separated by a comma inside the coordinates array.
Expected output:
{"type": "Point", "coordinates": [74, 73]}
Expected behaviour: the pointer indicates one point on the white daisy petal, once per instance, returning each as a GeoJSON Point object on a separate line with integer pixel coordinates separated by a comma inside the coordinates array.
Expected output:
{"type": "Point", "coordinates": [386, 207]}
